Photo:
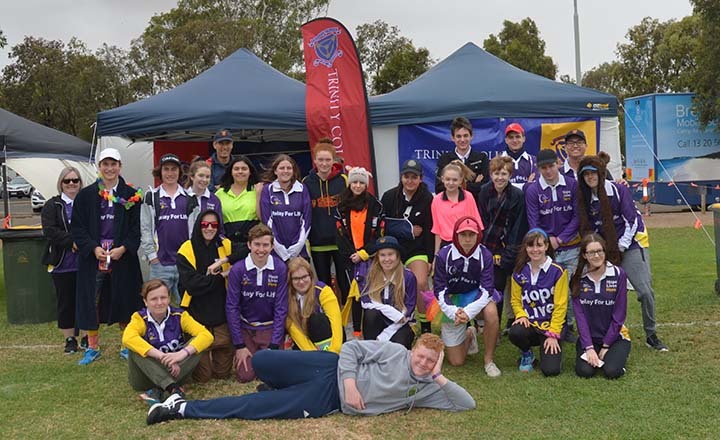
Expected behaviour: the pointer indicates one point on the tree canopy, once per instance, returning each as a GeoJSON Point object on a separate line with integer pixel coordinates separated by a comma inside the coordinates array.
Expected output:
{"type": "Point", "coordinates": [706, 80]}
{"type": "Point", "coordinates": [520, 45]}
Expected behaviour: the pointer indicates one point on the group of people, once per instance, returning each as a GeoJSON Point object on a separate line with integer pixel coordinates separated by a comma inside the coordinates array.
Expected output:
{"type": "Point", "coordinates": [249, 272]}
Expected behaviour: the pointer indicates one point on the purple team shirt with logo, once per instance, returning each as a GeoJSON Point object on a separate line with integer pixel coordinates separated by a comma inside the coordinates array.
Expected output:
{"type": "Point", "coordinates": [171, 228]}
{"type": "Point", "coordinates": [600, 309]}
{"type": "Point", "coordinates": [554, 209]}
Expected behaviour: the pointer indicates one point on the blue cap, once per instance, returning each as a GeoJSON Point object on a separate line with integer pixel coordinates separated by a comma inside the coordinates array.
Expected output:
{"type": "Point", "coordinates": [387, 242]}
{"type": "Point", "coordinates": [588, 168]}
{"type": "Point", "coordinates": [222, 135]}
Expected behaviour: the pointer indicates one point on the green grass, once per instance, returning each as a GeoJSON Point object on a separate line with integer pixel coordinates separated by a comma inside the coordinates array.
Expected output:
{"type": "Point", "coordinates": [44, 394]}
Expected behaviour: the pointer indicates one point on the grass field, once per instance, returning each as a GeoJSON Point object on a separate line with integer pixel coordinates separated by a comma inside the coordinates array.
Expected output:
{"type": "Point", "coordinates": [44, 394]}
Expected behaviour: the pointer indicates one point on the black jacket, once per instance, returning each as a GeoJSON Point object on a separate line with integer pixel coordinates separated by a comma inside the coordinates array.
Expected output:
{"type": "Point", "coordinates": [515, 220]}
{"type": "Point", "coordinates": [373, 228]}
{"type": "Point", "coordinates": [395, 206]}
{"type": "Point", "coordinates": [324, 197]}
{"type": "Point", "coordinates": [56, 228]}
{"type": "Point", "coordinates": [477, 161]}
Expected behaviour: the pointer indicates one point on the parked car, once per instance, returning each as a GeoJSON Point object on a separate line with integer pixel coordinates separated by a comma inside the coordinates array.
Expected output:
{"type": "Point", "coordinates": [37, 201]}
{"type": "Point", "coordinates": [19, 187]}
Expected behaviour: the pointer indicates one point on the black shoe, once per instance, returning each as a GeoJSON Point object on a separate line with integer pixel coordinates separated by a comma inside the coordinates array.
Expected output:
{"type": "Point", "coordinates": [168, 410]}
{"type": "Point", "coordinates": [262, 386]}
{"type": "Point", "coordinates": [84, 342]}
{"type": "Point", "coordinates": [177, 389]}
{"type": "Point", "coordinates": [653, 341]}
{"type": "Point", "coordinates": [425, 327]}
{"type": "Point", "coordinates": [71, 345]}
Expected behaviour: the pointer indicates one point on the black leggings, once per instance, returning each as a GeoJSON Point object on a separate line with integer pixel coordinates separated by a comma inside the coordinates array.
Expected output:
{"type": "Point", "coordinates": [615, 359]}
{"type": "Point", "coordinates": [374, 322]}
{"type": "Point", "coordinates": [322, 262]}
{"type": "Point", "coordinates": [65, 293]}
{"type": "Point", "coordinates": [524, 338]}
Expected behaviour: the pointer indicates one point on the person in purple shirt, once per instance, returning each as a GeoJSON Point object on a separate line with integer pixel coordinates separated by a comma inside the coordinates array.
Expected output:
{"type": "Point", "coordinates": [599, 295]}
{"type": "Point", "coordinates": [201, 199]}
{"type": "Point", "coordinates": [464, 288]}
{"type": "Point", "coordinates": [539, 297]}
{"type": "Point", "coordinates": [285, 207]}
{"type": "Point", "coordinates": [524, 163]}
{"type": "Point", "coordinates": [61, 252]}
{"type": "Point", "coordinates": [164, 223]}
{"type": "Point", "coordinates": [609, 210]}
{"type": "Point", "coordinates": [551, 205]}
{"type": "Point", "coordinates": [389, 295]}
{"type": "Point", "coordinates": [256, 303]}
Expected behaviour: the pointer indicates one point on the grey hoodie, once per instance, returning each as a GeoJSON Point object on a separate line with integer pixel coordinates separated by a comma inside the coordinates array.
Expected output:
{"type": "Point", "coordinates": [386, 381]}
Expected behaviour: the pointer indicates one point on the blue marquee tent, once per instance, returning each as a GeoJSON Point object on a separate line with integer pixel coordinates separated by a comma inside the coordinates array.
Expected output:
{"type": "Point", "coordinates": [476, 84]}
{"type": "Point", "coordinates": [240, 92]}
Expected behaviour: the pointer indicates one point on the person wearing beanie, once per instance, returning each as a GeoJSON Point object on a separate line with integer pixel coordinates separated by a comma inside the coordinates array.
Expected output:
{"type": "Point", "coordinates": [607, 208]}
{"type": "Point", "coordinates": [410, 200]}
{"type": "Point", "coordinates": [524, 163]}
{"type": "Point", "coordinates": [464, 289]}
{"type": "Point", "coordinates": [358, 223]}
{"type": "Point", "coordinates": [389, 294]}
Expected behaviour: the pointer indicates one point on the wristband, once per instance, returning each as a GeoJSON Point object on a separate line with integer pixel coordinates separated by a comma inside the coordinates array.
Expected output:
{"type": "Point", "coordinates": [436, 375]}
{"type": "Point", "coordinates": [187, 352]}
{"type": "Point", "coordinates": [552, 335]}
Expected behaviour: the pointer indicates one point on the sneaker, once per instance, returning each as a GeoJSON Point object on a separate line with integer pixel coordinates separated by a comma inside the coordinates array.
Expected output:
{"type": "Point", "coordinates": [492, 370]}
{"type": "Point", "coordinates": [473, 347]}
{"type": "Point", "coordinates": [84, 343]}
{"type": "Point", "coordinates": [71, 345]}
{"type": "Point", "coordinates": [653, 341]}
{"type": "Point", "coordinates": [167, 410]}
{"type": "Point", "coordinates": [177, 389]}
{"type": "Point", "coordinates": [262, 386]}
{"type": "Point", "coordinates": [526, 361]}
{"type": "Point", "coordinates": [124, 353]}
{"type": "Point", "coordinates": [91, 355]}
{"type": "Point", "coordinates": [152, 396]}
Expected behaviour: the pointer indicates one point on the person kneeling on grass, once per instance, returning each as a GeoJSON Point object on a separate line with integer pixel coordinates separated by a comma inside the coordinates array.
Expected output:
{"type": "Point", "coordinates": [368, 378]}
{"type": "Point", "coordinates": [464, 288]}
{"type": "Point", "coordinates": [159, 357]}
{"type": "Point", "coordinates": [539, 301]}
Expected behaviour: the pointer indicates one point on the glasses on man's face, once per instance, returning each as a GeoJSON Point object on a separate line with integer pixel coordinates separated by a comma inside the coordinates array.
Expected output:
{"type": "Point", "coordinates": [575, 144]}
{"type": "Point", "coordinates": [595, 253]}
{"type": "Point", "coordinates": [300, 278]}
{"type": "Point", "coordinates": [68, 181]}
{"type": "Point", "coordinates": [208, 225]}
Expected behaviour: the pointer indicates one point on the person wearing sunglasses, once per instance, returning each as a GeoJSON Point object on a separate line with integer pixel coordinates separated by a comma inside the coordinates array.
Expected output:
{"type": "Point", "coordinates": [599, 296]}
{"type": "Point", "coordinates": [61, 252]}
{"type": "Point", "coordinates": [203, 263]}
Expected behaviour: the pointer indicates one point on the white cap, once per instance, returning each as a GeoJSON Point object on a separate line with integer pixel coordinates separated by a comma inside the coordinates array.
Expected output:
{"type": "Point", "coordinates": [109, 153]}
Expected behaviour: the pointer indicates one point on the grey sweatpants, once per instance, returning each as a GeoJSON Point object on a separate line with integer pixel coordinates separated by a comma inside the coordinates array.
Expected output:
{"type": "Point", "coordinates": [636, 264]}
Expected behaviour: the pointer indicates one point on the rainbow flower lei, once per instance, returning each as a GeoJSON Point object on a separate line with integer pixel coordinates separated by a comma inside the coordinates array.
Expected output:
{"type": "Point", "coordinates": [110, 197]}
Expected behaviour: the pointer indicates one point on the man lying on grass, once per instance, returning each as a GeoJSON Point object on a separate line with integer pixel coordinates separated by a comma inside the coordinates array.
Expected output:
{"type": "Point", "coordinates": [368, 378]}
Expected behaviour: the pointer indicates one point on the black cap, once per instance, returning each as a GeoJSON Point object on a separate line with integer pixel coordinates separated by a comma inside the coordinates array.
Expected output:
{"type": "Point", "coordinates": [578, 133]}
{"type": "Point", "coordinates": [222, 135]}
{"type": "Point", "coordinates": [411, 166]}
{"type": "Point", "coordinates": [170, 158]}
{"type": "Point", "coordinates": [546, 157]}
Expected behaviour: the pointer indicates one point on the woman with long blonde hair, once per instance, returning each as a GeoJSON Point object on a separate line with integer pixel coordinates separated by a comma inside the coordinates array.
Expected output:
{"type": "Point", "coordinates": [313, 320]}
{"type": "Point", "coordinates": [389, 296]}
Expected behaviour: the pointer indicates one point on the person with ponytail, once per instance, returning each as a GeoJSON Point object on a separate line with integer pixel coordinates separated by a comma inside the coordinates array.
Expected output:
{"type": "Point", "coordinates": [599, 296]}
{"type": "Point", "coordinates": [607, 208]}
{"type": "Point", "coordinates": [539, 298]}
{"type": "Point", "coordinates": [313, 320]}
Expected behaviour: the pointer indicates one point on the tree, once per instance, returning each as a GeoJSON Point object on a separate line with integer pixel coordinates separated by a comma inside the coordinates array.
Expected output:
{"type": "Point", "coordinates": [403, 66]}
{"type": "Point", "coordinates": [520, 45]}
{"type": "Point", "coordinates": [3, 39]}
{"type": "Point", "coordinates": [178, 45]}
{"type": "Point", "coordinates": [62, 85]}
{"type": "Point", "coordinates": [606, 77]}
{"type": "Point", "coordinates": [389, 60]}
{"type": "Point", "coordinates": [706, 78]}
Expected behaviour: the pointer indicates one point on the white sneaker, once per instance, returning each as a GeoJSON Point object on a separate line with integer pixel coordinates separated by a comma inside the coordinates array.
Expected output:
{"type": "Point", "coordinates": [473, 347]}
{"type": "Point", "coordinates": [492, 370]}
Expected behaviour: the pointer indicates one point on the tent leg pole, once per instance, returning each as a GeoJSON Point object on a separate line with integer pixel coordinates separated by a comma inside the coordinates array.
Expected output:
{"type": "Point", "coordinates": [6, 196]}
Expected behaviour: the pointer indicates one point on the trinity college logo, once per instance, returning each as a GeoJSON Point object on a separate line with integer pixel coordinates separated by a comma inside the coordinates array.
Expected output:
{"type": "Point", "coordinates": [326, 47]}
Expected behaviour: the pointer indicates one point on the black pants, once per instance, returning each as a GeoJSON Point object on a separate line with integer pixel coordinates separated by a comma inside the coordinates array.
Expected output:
{"type": "Point", "coordinates": [524, 338]}
{"type": "Point", "coordinates": [375, 322]}
{"type": "Point", "coordinates": [322, 262]}
{"type": "Point", "coordinates": [615, 359]}
{"type": "Point", "coordinates": [500, 278]}
{"type": "Point", "coordinates": [65, 293]}
{"type": "Point", "coordinates": [318, 327]}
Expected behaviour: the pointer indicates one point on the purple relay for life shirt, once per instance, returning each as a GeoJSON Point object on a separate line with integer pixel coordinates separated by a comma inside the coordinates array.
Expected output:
{"type": "Point", "coordinates": [554, 209]}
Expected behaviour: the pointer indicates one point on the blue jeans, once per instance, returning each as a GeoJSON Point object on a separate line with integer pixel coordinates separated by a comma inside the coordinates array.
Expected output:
{"type": "Point", "coordinates": [169, 275]}
{"type": "Point", "coordinates": [305, 385]}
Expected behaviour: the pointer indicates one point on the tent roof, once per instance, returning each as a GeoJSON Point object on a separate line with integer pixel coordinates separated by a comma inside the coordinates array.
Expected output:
{"type": "Point", "coordinates": [475, 84]}
{"type": "Point", "coordinates": [24, 138]}
{"type": "Point", "coordinates": [240, 92]}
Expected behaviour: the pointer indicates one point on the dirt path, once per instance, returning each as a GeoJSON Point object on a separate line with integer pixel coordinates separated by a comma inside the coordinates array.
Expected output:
{"type": "Point", "coordinates": [673, 217]}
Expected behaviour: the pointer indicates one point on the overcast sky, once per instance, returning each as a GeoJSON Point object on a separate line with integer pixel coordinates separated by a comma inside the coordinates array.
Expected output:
{"type": "Point", "coordinates": [441, 26]}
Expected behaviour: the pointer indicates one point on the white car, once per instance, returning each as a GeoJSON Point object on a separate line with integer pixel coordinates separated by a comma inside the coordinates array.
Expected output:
{"type": "Point", "coordinates": [37, 201]}
{"type": "Point", "coordinates": [19, 187]}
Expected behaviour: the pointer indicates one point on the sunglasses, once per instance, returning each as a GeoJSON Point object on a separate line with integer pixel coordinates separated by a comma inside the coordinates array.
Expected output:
{"type": "Point", "coordinates": [66, 181]}
{"type": "Point", "coordinates": [207, 225]}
